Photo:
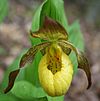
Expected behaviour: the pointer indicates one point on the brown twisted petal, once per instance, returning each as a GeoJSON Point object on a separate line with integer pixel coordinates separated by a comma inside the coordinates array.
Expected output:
{"type": "Point", "coordinates": [50, 30]}
{"type": "Point", "coordinates": [82, 61]}
{"type": "Point", "coordinates": [84, 64]}
{"type": "Point", "coordinates": [28, 57]}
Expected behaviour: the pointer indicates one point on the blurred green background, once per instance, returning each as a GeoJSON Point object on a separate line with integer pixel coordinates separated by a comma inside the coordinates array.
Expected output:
{"type": "Point", "coordinates": [14, 38]}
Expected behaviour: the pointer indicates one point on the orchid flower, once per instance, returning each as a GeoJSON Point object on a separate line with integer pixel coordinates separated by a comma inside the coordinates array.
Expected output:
{"type": "Point", "coordinates": [55, 68]}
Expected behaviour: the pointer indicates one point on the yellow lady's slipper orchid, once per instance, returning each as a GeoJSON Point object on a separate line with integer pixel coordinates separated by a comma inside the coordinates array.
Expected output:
{"type": "Point", "coordinates": [55, 68]}
{"type": "Point", "coordinates": [55, 72]}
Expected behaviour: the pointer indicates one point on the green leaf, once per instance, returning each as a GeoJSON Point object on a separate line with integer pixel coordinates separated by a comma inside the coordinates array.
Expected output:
{"type": "Point", "coordinates": [11, 97]}
{"type": "Point", "coordinates": [36, 18]}
{"type": "Point", "coordinates": [76, 38]}
{"type": "Point", "coordinates": [41, 99]}
{"type": "Point", "coordinates": [31, 74]}
{"type": "Point", "coordinates": [60, 98]}
{"type": "Point", "coordinates": [3, 9]}
{"type": "Point", "coordinates": [4, 97]}
{"type": "Point", "coordinates": [51, 8]}
{"type": "Point", "coordinates": [55, 10]}
{"type": "Point", "coordinates": [23, 89]}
